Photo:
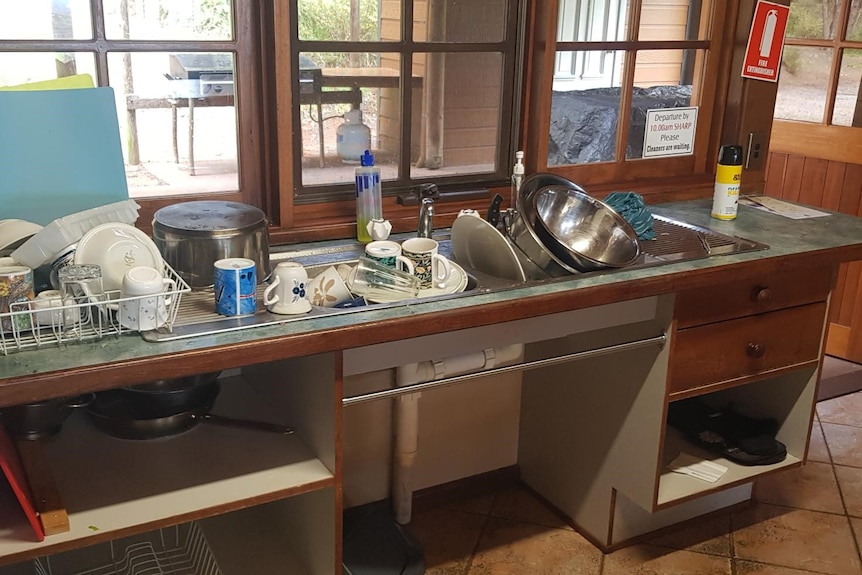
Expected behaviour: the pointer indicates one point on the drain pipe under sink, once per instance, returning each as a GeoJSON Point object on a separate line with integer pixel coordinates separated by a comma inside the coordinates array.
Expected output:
{"type": "Point", "coordinates": [406, 413]}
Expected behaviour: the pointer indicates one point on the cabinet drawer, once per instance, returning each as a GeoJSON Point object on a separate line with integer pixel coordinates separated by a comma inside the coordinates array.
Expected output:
{"type": "Point", "coordinates": [748, 297]}
{"type": "Point", "coordinates": [747, 346]}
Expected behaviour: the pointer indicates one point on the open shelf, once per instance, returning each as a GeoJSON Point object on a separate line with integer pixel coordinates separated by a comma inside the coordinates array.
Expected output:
{"type": "Point", "coordinates": [674, 487]}
{"type": "Point", "coordinates": [113, 487]}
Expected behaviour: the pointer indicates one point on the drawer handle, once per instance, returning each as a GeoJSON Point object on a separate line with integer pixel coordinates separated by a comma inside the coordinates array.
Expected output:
{"type": "Point", "coordinates": [761, 294]}
{"type": "Point", "coordinates": [755, 350]}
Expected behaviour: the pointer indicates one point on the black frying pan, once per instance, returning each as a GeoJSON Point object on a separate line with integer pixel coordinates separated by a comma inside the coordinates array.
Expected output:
{"type": "Point", "coordinates": [113, 413]}
{"type": "Point", "coordinates": [169, 396]}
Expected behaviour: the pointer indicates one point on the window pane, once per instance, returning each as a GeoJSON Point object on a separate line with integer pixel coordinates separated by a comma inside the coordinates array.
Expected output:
{"type": "Point", "coordinates": [177, 121]}
{"type": "Point", "coordinates": [334, 20]}
{"type": "Point", "coordinates": [595, 21]}
{"type": "Point", "coordinates": [676, 20]}
{"type": "Point", "coordinates": [458, 21]}
{"type": "Point", "coordinates": [166, 20]}
{"type": "Point", "coordinates": [848, 90]}
{"type": "Point", "coordinates": [807, 20]}
{"type": "Point", "coordinates": [802, 84]}
{"type": "Point", "coordinates": [344, 110]}
{"type": "Point", "coordinates": [854, 30]}
{"type": "Point", "coordinates": [26, 67]}
{"type": "Point", "coordinates": [459, 104]}
{"type": "Point", "coordinates": [45, 20]}
{"type": "Point", "coordinates": [663, 79]}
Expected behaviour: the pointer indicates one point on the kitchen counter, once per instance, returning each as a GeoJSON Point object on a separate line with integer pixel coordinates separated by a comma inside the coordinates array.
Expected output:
{"type": "Point", "coordinates": [32, 375]}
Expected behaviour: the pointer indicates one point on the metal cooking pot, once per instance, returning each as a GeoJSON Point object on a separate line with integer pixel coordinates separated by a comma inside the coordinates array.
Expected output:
{"type": "Point", "coordinates": [192, 236]}
{"type": "Point", "coordinates": [42, 418]}
{"type": "Point", "coordinates": [114, 414]}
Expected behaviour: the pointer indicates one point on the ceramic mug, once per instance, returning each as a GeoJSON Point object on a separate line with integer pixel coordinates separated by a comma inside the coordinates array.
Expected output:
{"type": "Point", "coordinates": [16, 289]}
{"type": "Point", "coordinates": [234, 286]}
{"type": "Point", "coordinates": [389, 254]}
{"type": "Point", "coordinates": [432, 269]}
{"type": "Point", "coordinates": [286, 293]}
{"type": "Point", "coordinates": [48, 307]}
{"type": "Point", "coordinates": [143, 300]}
{"type": "Point", "coordinates": [327, 289]}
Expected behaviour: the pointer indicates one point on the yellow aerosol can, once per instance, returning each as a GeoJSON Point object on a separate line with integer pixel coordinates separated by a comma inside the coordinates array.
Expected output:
{"type": "Point", "coordinates": [728, 176]}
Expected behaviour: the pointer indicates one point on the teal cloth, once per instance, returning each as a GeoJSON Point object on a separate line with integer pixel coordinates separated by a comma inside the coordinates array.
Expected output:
{"type": "Point", "coordinates": [630, 206]}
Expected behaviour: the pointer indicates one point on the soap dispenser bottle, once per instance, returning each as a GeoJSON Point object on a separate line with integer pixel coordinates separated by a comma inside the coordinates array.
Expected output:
{"type": "Point", "coordinates": [369, 204]}
{"type": "Point", "coordinates": [517, 177]}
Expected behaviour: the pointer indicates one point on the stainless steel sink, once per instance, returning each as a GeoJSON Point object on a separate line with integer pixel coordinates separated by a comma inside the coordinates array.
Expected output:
{"type": "Point", "coordinates": [675, 242]}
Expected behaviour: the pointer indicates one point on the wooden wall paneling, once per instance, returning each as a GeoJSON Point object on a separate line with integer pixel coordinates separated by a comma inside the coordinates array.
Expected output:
{"type": "Point", "coordinates": [793, 178]}
{"type": "Point", "coordinates": [833, 186]}
{"type": "Point", "coordinates": [776, 164]}
{"type": "Point", "coordinates": [813, 181]}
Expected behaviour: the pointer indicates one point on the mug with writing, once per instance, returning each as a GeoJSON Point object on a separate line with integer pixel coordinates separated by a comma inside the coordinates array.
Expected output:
{"type": "Point", "coordinates": [286, 293]}
{"type": "Point", "coordinates": [389, 254]}
{"type": "Point", "coordinates": [16, 289]}
{"type": "Point", "coordinates": [430, 267]}
{"type": "Point", "coordinates": [234, 285]}
{"type": "Point", "coordinates": [143, 298]}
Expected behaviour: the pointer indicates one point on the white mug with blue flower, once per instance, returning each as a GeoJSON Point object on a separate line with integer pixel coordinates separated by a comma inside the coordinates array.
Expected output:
{"type": "Point", "coordinates": [286, 293]}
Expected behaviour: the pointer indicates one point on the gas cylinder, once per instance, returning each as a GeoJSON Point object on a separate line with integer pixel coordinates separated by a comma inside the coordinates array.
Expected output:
{"type": "Point", "coordinates": [352, 137]}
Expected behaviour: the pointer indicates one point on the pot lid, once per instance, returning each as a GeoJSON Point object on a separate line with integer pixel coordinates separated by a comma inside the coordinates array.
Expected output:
{"type": "Point", "coordinates": [208, 216]}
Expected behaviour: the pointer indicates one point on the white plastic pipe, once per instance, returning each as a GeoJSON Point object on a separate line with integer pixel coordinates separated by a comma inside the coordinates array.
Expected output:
{"type": "Point", "coordinates": [406, 414]}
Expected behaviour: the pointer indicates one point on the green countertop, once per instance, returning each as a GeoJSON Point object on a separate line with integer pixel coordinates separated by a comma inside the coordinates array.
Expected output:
{"type": "Point", "coordinates": [786, 238]}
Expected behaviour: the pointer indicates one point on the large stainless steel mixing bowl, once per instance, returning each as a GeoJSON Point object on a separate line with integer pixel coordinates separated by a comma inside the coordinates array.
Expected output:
{"type": "Point", "coordinates": [582, 231]}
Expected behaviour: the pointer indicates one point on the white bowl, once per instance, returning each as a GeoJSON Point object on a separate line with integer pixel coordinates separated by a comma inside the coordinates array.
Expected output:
{"type": "Point", "coordinates": [14, 232]}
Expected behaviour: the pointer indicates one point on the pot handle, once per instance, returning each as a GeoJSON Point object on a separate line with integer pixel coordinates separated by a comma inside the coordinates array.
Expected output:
{"type": "Point", "coordinates": [494, 210]}
{"type": "Point", "coordinates": [242, 423]}
{"type": "Point", "coordinates": [82, 400]}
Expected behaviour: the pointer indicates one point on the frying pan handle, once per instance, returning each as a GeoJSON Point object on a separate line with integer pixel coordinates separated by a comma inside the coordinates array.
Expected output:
{"type": "Point", "coordinates": [242, 423]}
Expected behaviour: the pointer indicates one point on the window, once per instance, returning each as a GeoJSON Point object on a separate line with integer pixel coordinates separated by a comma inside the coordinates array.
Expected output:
{"type": "Point", "coordinates": [183, 76]}
{"type": "Point", "coordinates": [612, 61]}
{"type": "Point", "coordinates": [821, 67]}
{"type": "Point", "coordinates": [427, 87]}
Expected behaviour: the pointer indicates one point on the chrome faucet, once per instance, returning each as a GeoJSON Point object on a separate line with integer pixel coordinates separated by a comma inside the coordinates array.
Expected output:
{"type": "Point", "coordinates": [426, 216]}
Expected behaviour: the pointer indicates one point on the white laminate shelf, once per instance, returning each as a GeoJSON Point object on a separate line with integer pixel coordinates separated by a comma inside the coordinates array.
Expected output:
{"type": "Point", "coordinates": [114, 485]}
{"type": "Point", "coordinates": [675, 487]}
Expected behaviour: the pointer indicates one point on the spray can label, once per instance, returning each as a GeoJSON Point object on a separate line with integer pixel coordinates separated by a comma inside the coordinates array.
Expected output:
{"type": "Point", "coordinates": [728, 176]}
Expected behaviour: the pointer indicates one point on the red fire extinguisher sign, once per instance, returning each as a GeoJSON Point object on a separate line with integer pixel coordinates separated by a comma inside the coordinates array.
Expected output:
{"type": "Point", "coordinates": [765, 41]}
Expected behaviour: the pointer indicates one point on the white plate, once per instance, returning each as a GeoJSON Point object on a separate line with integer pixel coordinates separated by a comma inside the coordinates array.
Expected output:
{"type": "Point", "coordinates": [116, 248]}
{"type": "Point", "coordinates": [480, 246]}
{"type": "Point", "coordinates": [456, 283]}
{"type": "Point", "coordinates": [14, 232]}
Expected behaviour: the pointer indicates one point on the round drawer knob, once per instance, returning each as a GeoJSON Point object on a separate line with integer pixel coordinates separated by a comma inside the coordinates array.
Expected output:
{"type": "Point", "coordinates": [755, 350]}
{"type": "Point", "coordinates": [761, 294]}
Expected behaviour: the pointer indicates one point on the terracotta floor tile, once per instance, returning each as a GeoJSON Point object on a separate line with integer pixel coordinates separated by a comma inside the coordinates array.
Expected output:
{"type": "Point", "coordinates": [519, 504]}
{"type": "Point", "coordinates": [811, 486]}
{"type": "Point", "coordinates": [710, 535]}
{"type": "Point", "coordinates": [846, 410]}
{"type": "Point", "coordinates": [845, 444]}
{"type": "Point", "coordinates": [480, 504]}
{"type": "Point", "coordinates": [513, 548]}
{"type": "Point", "coordinates": [796, 538]}
{"type": "Point", "coordinates": [751, 568]}
{"type": "Point", "coordinates": [856, 523]}
{"type": "Point", "coordinates": [652, 560]}
{"type": "Point", "coordinates": [850, 482]}
{"type": "Point", "coordinates": [817, 450]}
{"type": "Point", "coordinates": [448, 539]}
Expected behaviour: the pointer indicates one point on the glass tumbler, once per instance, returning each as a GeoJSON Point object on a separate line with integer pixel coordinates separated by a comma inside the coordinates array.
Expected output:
{"type": "Point", "coordinates": [379, 282]}
{"type": "Point", "coordinates": [81, 284]}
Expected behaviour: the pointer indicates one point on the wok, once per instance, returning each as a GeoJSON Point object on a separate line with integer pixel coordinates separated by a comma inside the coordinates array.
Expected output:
{"type": "Point", "coordinates": [113, 413]}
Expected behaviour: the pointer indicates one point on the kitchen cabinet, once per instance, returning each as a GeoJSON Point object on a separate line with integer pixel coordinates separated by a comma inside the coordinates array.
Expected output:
{"type": "Point", "coordinates": [754, 344]}
{"type": "Point", "coordinates": [244, 488]}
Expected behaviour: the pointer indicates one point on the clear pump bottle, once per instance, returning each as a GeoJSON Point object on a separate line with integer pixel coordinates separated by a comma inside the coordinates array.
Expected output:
{"type": "Point", "coordinates": [369, 204]}
{"type": "Point", "coordinates": [517, 177]}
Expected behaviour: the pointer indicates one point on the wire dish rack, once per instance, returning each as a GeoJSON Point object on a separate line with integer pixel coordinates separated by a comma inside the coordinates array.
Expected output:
{"type": "Point", "coordinates": [180, 550]}
{"type": "Point", "coordinates": [39, 323]}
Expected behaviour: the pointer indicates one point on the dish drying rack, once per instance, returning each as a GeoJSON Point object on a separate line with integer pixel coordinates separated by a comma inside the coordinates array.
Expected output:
{"type": "Point", "coordinates": [27, 326]}
{"type": "Point", "coordinates": [191, 556]}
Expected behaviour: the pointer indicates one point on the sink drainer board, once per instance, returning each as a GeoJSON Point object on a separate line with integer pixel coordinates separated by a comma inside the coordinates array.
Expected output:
{"type": "Point", "coordinates": [677, 241]}
{"type": "Point", "coordinates": [181, 550]}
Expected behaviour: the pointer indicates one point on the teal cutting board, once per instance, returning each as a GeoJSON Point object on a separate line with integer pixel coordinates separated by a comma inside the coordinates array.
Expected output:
{"type": "Point", "coordinates": [59, 153]}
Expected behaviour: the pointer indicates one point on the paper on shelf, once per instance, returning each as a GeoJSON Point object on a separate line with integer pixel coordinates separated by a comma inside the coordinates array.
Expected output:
{"type": "Point", "coordinates": [699, 468]}
{"type": "Point", "coordinates": [780, 207]}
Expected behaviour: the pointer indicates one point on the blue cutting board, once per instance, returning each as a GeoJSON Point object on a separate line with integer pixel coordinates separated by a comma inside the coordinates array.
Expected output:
{"type": "Point", "coordinates": [59, 153]}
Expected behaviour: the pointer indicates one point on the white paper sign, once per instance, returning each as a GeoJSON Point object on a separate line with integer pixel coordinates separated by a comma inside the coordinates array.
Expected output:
{"type": "Point", "coordinates": [669, 132]}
